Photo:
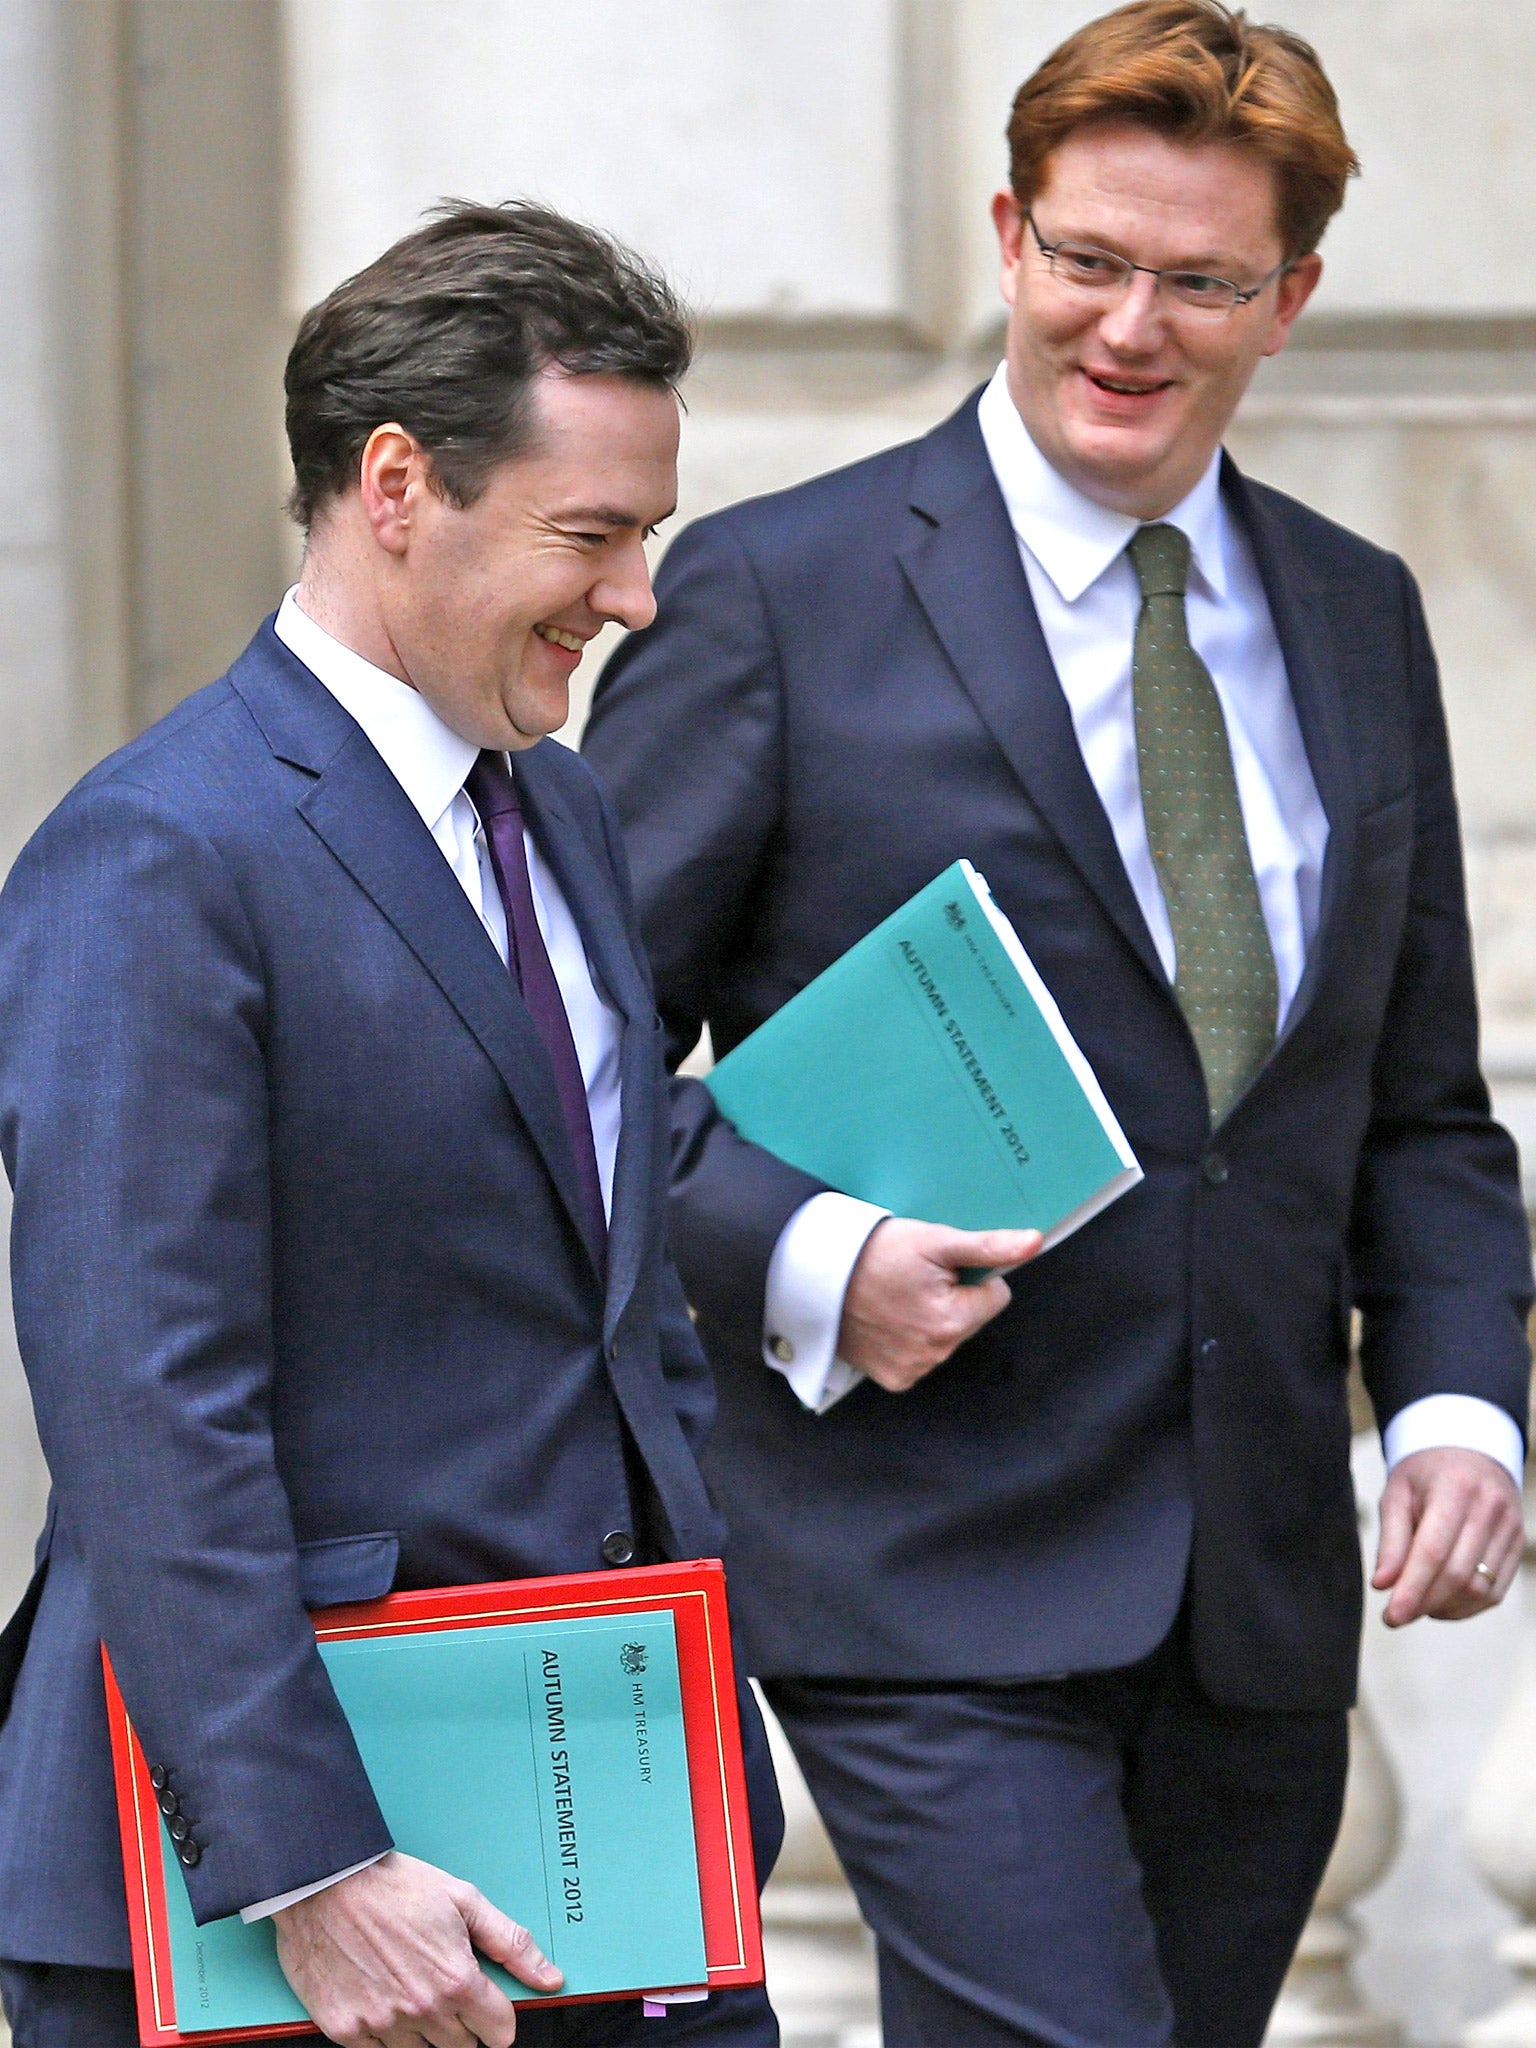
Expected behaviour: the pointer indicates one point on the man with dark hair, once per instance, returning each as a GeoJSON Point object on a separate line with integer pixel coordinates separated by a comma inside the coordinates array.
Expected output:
{"type": "Point", "coordinates": [1058, 1597]}
{"type": "Point", "coordinates": [330, 1095]}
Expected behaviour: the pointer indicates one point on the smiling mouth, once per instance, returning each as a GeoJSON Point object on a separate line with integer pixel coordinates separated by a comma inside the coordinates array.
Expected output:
{"type": "Point", "coordinates": [1127, 387]}
{"type": "Point", "coordinates": [571, 642]}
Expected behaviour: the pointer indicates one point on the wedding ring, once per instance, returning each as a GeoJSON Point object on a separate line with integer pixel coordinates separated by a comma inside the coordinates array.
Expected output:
{"type": "Point", "coordinates": [1483, 1572]}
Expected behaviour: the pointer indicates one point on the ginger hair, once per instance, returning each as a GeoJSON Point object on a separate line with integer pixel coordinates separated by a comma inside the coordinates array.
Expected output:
{"type": "Point", "coordinates": [1197, 72]}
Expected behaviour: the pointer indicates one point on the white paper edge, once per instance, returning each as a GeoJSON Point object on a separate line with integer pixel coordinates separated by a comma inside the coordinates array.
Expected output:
{"type": "Point", "coordinates": [1074, 1056]}
{"type": "Point", "coordinates": [1110, 1192]}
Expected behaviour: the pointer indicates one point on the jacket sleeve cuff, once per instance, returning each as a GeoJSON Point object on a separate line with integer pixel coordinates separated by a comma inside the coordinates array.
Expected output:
{"type": "Point", "coordinates": [265, 1908]}
{"type": "Point", "coordinates": [1461, 1422]}
{"type": "Point", "coordinates": [808, 1277]}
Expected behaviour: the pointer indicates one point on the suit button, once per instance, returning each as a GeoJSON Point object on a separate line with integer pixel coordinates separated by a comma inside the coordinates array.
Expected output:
{"type": "Point", "coordinates": [1210, 1351]}
{"type": "Point", "coordinates": [1214, 1167]}
{"type": "Point", "coordinates": [159, 1777]}
{"type": "Point", "coordinates": [190, 1854]}
{"type": "Point", "coordinates": [168, 1803]}
{"type": "Point", "coordinates": [618, 1547]}
{"type": "Point", "coordinates": [176, 1827]}
{"type": "Point", "coordinates": [782, 1350]}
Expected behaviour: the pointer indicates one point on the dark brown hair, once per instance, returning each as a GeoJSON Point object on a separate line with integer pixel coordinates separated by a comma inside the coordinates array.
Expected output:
{"type": "Point", "coordinates": [1199, 72]}
{"type": "Point", "coordinates": [446, 331]}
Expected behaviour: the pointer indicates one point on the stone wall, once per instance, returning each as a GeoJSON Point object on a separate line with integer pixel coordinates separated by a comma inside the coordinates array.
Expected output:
{"type": "Point", "coordinates": [40, 722]}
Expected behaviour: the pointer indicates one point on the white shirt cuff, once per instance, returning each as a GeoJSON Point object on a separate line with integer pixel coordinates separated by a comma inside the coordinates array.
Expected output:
{"type": "Point", "coordinates": [808, 1277]}
{"type": "Point", "coordinates": [265, 1908]}
{"type": "Point", "coordinates": [1461, 1422]}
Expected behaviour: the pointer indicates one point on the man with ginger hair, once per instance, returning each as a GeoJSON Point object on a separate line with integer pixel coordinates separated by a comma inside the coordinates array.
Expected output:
{"type": "Point", "coordinates": [1056, 1589]}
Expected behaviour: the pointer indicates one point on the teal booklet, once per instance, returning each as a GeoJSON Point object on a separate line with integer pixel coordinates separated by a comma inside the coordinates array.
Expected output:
{"type": "Point", "coordinates": [543, 1761]}
{"type": "Point", "coordinates": [929, 1070]}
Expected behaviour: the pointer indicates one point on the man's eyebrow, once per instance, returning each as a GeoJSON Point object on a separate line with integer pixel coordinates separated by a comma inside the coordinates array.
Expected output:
{"type": "Point", "coordinates": [610, 515]}
{"type": "Point", "coordinates": [1218, 264]}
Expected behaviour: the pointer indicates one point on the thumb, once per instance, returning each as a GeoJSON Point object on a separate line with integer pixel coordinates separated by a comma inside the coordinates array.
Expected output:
{"type": "Point", "coordinates": [990, 1250]}
{"type": "Point", "coordinates": [1397, 1522]}
{"type": "Point", "coordinates": [505, 1942]}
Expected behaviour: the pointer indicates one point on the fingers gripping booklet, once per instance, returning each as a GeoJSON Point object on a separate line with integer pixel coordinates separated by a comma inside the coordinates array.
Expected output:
{"type": "Point", "coordinates": [929, 1070]}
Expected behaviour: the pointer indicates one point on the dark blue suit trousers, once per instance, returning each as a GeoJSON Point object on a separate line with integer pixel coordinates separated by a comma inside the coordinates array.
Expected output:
{"type": "Point", "coordinates": [1108, 1860]}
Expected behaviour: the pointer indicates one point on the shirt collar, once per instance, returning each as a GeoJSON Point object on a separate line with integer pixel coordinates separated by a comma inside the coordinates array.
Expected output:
{"type": "Point", "coordinates": [427, 758]}
{"type": "Point", "coordinates": [1073, 539]}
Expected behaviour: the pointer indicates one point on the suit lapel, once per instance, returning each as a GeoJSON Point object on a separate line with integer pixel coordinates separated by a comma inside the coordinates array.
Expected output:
{"type": "Point", "coordinates": [589, 892]}
{"type": "Point", "coordinates": [1298, 607]}
{"type": "Point", "coordinates": [371, 827]}
{"type": "Point", "coordinates": [962, 562]}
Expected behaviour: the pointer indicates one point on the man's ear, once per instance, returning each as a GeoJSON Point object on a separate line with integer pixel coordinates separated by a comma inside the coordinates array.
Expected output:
{"type": "Point", "coordinates": [1295, 287]}
{"type": "Point", "coordinates": [1008, 219]}
{"type": "Point", "coordinates": [392, 476]}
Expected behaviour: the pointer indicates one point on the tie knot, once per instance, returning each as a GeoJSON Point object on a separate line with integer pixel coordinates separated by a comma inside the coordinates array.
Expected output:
{"type": "Point", "coordinates": [1160, 555]}
{"type": "Point", "coordinates": [490, 788]}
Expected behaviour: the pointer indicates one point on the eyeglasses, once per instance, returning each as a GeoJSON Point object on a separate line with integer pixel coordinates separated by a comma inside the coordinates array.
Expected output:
{"type": "Point", "coordinates": [1085, 269]}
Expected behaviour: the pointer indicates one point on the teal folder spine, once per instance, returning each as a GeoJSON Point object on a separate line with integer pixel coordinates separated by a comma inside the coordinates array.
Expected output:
{"type": "Point", "coordinates": [929, 1070]}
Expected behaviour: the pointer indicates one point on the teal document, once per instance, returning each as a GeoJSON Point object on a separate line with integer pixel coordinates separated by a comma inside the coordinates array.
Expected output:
{"type": "Point", "coordinates": [929, 1070]}
{"type": "Point", "coordinates": [542, 1762]}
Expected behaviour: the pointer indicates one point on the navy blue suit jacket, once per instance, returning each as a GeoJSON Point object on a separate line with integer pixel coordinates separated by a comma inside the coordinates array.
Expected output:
{"type": "Point", "coordinates": [299, 1276]}
{"type": "Point", "coordinates": [845, 690]}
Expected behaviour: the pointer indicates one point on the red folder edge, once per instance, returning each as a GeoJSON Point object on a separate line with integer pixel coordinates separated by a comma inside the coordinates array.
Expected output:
{"type": "Point", "coordinates": [695, 1595]}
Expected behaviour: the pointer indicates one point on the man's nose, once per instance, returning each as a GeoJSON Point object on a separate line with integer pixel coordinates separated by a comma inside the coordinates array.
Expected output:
{"type": "Point", "coordinates": [625, 594]}
{"type": "Point", "coordinates": [1133, 325]}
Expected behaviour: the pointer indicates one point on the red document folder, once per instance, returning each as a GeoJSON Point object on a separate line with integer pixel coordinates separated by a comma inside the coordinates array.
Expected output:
{"type": "Point", "coordinates": [695, 1594]}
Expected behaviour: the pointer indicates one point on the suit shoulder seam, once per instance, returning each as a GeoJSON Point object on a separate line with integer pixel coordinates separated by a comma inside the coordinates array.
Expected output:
{"type": "Point", "coordinates": [1297, 510]}
{"type": "Point", "coordinates": [769, 628]}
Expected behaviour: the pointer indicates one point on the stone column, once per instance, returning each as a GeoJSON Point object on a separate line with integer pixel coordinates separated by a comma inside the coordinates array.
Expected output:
{"type": "Point", "coordinates": [1501, 1831]}
{"type": "Point", "coordinates": [1320, 2005]}
{"type": "Point", "coordinates": [40, 709]}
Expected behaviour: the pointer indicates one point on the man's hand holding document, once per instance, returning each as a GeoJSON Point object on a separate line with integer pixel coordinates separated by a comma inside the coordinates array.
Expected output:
{"type": "Point", "coordinates": [930, 1072]}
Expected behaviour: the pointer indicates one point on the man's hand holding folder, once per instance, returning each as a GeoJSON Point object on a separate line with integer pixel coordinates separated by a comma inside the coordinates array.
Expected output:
{"type": "Point", "coordinates": [909, 1304]}
{"type": "Point", "coordinates": [388, 1956]}
{"type": "Point", "coordinates": [928, 1071]}
{"type": "Point", "coordinates": [564, 1749]}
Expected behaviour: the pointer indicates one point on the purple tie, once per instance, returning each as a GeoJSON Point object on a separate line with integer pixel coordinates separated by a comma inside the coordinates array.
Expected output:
{"type": "Point", "coordinates": [494, 795]}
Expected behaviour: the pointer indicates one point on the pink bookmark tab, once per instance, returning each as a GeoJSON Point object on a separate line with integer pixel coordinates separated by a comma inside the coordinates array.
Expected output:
{"type": "Point", "coordinates": [656, 2008]}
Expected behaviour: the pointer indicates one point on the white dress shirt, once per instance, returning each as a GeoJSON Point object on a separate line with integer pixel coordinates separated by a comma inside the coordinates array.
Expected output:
{"type": "Point", "coordinates": [1087, 597]}
{"type": "Point", "coordinates": [430, 761]}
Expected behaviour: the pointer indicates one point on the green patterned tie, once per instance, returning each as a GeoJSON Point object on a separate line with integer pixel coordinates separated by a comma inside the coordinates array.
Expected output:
{"type": "Point", "coordinates": [1225, 981]}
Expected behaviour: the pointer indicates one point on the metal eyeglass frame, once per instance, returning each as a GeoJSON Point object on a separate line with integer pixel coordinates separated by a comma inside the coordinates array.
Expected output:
{"type": "Point", "coordinates": [1124, 270]}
